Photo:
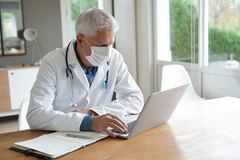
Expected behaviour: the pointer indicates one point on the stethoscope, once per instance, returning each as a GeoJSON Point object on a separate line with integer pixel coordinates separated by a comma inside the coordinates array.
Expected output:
{"type": "Point", "coordinates": [69, 76]}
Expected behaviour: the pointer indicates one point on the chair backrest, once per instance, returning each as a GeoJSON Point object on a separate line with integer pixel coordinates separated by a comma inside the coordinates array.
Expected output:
{"type": "Point", "coordinates": [176, 75]}
{"type": "Point", "coordinates": [22, 121]}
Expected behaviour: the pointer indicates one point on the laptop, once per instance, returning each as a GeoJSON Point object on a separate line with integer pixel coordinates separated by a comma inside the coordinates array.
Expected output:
{"type": "Point", "coordinates": [156, 111]}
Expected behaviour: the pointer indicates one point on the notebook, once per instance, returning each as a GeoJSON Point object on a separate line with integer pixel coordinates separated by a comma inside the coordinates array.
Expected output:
{"type": "Point", "coordinates": [57, 144]}
{"type": "Point", "coordinates": [156, 111]}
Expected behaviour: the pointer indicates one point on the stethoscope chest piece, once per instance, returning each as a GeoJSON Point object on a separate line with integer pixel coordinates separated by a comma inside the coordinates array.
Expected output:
{"type": "Point", "coordinates": [73, 104]}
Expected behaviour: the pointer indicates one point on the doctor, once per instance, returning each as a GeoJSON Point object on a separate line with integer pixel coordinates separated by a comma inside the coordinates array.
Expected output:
{"type": "Point", "coordinates": [74, 86]}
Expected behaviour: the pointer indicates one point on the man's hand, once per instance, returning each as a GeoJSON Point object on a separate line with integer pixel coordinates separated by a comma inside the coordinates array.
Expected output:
{"type": "Point", "coordinates": [101, 124]}
{"type": "Point", "coordinates": [85, 111]}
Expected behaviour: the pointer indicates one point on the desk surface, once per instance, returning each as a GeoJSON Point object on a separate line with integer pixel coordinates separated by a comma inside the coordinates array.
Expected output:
{"type": "Point", "coordinates": [203, 130]}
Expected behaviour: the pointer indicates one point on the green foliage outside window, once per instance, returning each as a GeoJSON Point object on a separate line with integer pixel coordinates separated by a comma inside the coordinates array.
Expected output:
{"type": "Point", "coordinates": [6, 16]}
{"type": "Point", "coordinates": [78, 6]}
{"type": "Point", "coordinates": [180, 31]}
{"type": "Point", "coordinates": [222, 41]}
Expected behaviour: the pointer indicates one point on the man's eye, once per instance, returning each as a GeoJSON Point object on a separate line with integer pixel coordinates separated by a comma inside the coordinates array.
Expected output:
{"type": "Point", "coordinates": [105, 45]}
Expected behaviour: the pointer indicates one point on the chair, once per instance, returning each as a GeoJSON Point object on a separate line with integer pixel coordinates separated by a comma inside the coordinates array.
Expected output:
{"type": "Point", "coordinates": [176, 75]}
{"type": "Point", "coordinates": [22, 121]}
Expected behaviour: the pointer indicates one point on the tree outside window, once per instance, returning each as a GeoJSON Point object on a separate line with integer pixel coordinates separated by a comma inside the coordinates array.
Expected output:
{"type": "Point", "coordinates": [77, 7]}
{"type": "Point", "coordinates": [224, 30]}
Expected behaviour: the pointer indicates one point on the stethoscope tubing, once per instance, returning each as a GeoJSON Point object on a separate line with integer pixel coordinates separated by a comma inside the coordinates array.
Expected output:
{"type": "Point", "coordinates": [69, 73]}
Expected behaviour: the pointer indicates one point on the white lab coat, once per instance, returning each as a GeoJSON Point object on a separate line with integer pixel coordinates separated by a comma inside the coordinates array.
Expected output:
{"type": "Point", "coordinates": [49, 107]}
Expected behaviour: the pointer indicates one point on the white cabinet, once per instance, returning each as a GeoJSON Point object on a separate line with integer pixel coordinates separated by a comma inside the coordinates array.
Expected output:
{"type": "Point", "coordinates": [15, 86]}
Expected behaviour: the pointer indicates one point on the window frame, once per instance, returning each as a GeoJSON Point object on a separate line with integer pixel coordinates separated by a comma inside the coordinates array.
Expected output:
{"type": "Point", "coordinates": [202, 67]}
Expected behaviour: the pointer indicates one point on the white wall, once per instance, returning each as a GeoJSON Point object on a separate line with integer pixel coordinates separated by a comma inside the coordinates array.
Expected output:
{"type": "Point", "coordinates": [219, 82]}
{"type": "Point", "coordinates": [124, 13]}
{"type": "Point", "coordinates": [145, 42]}
{"type": "Point", "coordinates": [134, 40]}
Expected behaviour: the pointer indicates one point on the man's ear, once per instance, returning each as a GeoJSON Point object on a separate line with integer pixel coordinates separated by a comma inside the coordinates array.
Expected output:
{"type": "Point", "coordinates": [80, 40]}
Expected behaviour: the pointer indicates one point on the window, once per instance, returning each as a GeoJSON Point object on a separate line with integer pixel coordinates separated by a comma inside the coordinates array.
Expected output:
{"type": "Point", "coordinates": [77, 7]}
{"type": "Point", "coordinates": [177, 30]}
{"type": "Point", "coordinates": [9, 24]}
{"type": "Point", "coordinates": [178, 42]}
{"type": "Point", "coordinates": [224, 33]}
{"type": "Point", "coordinates": [204, 37]}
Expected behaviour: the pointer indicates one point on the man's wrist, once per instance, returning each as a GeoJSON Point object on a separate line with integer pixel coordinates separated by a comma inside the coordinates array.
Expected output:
{"type": "Point", "coordinates": [86, 124]}
{"type": "Point", "coordinates": [85, 111]}
{"type": "Point", "coordinates": [93, 112]}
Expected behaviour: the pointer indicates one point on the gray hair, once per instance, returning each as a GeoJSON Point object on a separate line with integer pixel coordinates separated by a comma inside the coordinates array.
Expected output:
{"type": "Point", "coordinates": [92, 20]}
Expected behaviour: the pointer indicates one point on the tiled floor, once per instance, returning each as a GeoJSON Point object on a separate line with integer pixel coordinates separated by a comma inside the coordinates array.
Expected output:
{"type": "Point", "coordinates": [8, 124]}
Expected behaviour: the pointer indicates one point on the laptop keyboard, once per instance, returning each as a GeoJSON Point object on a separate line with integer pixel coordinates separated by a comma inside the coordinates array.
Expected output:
{"type": "Point", "coordinates": [129, 128]}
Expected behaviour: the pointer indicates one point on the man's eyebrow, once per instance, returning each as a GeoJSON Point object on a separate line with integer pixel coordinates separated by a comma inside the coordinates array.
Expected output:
{"type": "Point", "coordinates": [103, 43]}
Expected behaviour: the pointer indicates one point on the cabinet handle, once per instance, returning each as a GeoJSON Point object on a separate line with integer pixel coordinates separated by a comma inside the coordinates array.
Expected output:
{"type": "Point", "coordinates": [12, 73]}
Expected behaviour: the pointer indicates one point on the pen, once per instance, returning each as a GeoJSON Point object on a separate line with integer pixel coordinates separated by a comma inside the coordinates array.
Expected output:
{"type": "Point", "coordinates": [78, 136]}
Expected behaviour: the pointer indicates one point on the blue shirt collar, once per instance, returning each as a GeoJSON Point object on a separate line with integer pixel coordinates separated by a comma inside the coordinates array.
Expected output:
{"type": "Point", "coordinates": [84, 69]}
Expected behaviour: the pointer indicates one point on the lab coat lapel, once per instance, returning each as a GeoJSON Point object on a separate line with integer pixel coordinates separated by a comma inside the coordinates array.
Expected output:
{"type": "Point", "coordinates": [73, 63]}
{"type": "Point", "coordinates": [100, 77]}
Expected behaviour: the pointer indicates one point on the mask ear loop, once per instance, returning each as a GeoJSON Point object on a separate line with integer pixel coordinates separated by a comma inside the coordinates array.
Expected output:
{"type": "Point", "coordinates": [106, 82]}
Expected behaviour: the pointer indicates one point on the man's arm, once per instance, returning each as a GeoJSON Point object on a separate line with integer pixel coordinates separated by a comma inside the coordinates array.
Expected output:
{"type": "Point", "coordinates": [41, 115]}
{"type": "Point", "coordinates": [85, 111]}
{"type": "Point", "coordinates": [129, 97]}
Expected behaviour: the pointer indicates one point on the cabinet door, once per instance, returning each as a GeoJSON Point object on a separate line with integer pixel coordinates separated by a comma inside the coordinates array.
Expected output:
{"type": "Point", "coordinates": [20, 84]}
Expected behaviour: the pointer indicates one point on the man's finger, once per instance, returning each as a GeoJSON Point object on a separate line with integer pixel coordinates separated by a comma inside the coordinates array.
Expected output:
{"type": "Point", "coordinates": [116, 123]}
{"type": "Point", "coordinates": [109, 133]}
{"type": "Point", "coordinates": [120, 120]}
{"type": "Point", "coordinates": [117, 128]}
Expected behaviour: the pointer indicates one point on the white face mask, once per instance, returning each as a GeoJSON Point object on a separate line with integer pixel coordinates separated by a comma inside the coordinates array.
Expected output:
{"type": "Point", "coordinates": [99, 55]}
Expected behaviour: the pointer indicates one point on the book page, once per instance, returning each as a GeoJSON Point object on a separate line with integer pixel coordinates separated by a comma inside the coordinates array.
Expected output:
{"type": "Point", "coordinates": [50, 145]}
{"type": "Point", "coordinates": [95, 136]}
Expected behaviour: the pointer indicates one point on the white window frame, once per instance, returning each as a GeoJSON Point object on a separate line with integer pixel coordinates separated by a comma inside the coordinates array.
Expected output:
{"type": "Point", "coordinates": [202, 68]}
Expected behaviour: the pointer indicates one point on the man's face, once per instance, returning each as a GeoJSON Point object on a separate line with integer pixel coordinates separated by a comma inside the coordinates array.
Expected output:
{"type": "Point", "coordinates": [104, 38]}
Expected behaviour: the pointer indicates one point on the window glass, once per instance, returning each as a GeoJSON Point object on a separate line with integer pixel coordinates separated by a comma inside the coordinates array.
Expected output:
{"type": "Point", "coordinates": [224, 33]}
{"type": "Point", "coordinates": [180, 42]}
{"type": "Point", "coordinates": [77, 7]}
{"type": "Point", "coordinates": [11, 28]}
{"type": "Point", "coordinates": [9, 24]}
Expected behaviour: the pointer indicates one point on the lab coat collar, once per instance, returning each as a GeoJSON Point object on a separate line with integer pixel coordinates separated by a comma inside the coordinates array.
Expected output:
{"type": "Point", "coordinates": [100, 77]}
{"type": "Point", "coordinates": [72, 58]}
{"type": "Point", "coordinates": [73, 63]}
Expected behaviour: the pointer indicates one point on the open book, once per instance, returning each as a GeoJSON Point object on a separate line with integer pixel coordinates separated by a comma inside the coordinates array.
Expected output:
{"type": "Point", "coordinates": [57, 144]}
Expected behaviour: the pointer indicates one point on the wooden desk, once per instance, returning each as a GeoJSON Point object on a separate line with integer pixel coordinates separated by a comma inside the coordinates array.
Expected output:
{"type": "Point", "coordinates": [203, 130]}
